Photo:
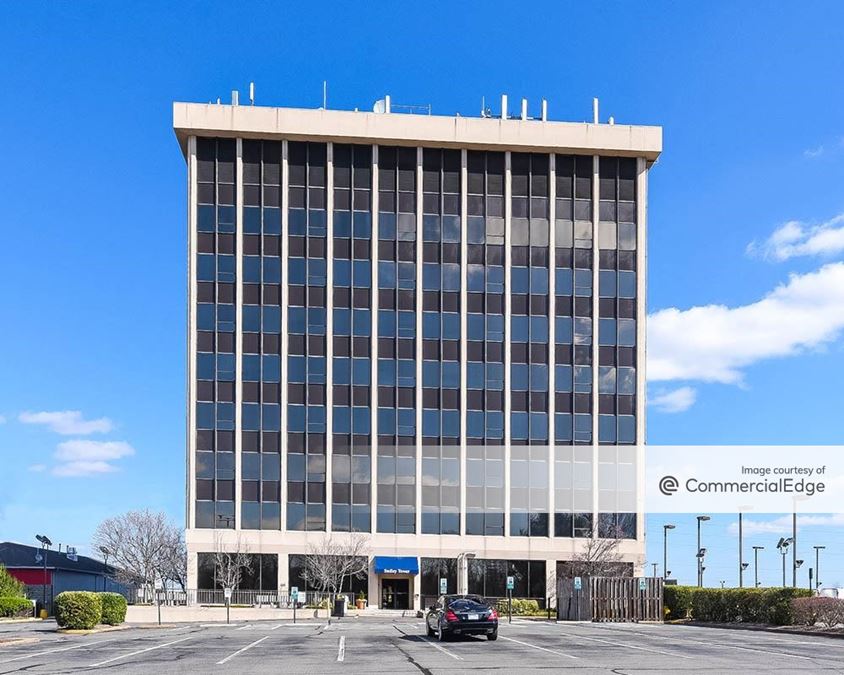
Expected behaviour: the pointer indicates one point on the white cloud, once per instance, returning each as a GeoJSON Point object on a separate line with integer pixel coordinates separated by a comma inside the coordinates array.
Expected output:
{"type": "Point", "coordinates": [37, 468]}
{"type": "Point", "coordinates": [67, 422]}
{"type": "Point", "coordinates": [796, 238]}
{"type": "Point", "coordinates": [87, 458]}
{"type": "Point", "coordinates": [811, 153]}
{"type": "Point", "coordinates": [783, 524]}
{"type": "Point", "coordinates": [2, 419]}
{"type": "Point", "coordinates": [714, 343]}
{"type": "Point", "coordinates": [674, 401]}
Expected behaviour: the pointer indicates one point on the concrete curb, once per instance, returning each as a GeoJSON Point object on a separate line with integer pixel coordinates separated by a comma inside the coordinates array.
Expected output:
{"type": "Point", "coordinates": [89, 631]}
{"type": "Point", "coordinates": [787, 630]}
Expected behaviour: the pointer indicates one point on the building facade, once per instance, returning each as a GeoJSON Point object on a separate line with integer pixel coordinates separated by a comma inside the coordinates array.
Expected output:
{"type": "Point", "coordinates": [46, 573]}
{"type": "Point", "coordinates": [428, 330]}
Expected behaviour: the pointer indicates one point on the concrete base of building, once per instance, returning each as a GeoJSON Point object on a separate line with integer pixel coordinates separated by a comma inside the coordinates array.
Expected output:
{"type": "Point", "coordinates": [143, 614]}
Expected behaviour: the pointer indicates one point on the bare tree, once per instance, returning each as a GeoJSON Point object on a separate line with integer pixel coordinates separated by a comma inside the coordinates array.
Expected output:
{"type": "Point", "coordinates": [174, 565]}
{"type": "Point", "coordinates": [142, 546]}
{"type": "Point", "coordinates": [600, 557]}
{"type": "Point", "coordinates": [336, 557]}
{"type": "Point", "coordinates": [230, 561]}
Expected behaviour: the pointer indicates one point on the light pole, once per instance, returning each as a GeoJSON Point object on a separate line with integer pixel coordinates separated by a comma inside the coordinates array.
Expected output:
{"type": "Point", "coordinates": [756, 550]}
{"type": "Point", "coordinates": [740, 553]}
{"type": "Point", "coordinates": [700, 552]}
{"type": "Point", "coordinates": [665, 528]}
{"type": "Point", "coordinates": [106, 553]}
{"type": "Point", "coordinates": [782, 547]}
{"type": "Point", "coordinates": [817, 566]}
{"type": "Point", "coordinates": [654, 564]}
{"type": "Point", "coordinates": [45, 544]}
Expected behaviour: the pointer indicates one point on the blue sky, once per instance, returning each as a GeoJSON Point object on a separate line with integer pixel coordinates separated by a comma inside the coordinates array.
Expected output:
{"type": "Point", "coordinates": [93, 225]}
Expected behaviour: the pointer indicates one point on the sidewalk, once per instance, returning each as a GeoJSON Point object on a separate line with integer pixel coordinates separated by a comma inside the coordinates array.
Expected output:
{"type": "Point", "coordinates": [139, 614]}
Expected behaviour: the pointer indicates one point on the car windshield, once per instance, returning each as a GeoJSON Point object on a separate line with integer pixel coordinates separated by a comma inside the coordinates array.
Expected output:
{"type": "Point", "coordinates": [467, 604]}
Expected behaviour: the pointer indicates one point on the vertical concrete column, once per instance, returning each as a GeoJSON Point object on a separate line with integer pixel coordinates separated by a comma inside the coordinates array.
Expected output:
{"type": "Point", "coordinates": [193, 570]}
{"type": "Point", "coordinates": [190, 445]}
{"type": "Point", "coordinates": [329, 331]}
{"type": "Point", "coordinates": [641, 340]}
{"type": "Point", "coordinates": [373, 485]}
{"type": "Point", "coordinates": [551, 582]}
{"type": "Point", "coordinates": [596, 204]}
{"type": "Point", "coordinates": [464, 279]}
{"type": "Point", "coordinates": [238, 337]}
{"type": "Point", "coordinates": [285, 255]}
{"type": "Point", "coordinates": [552, 332]}
{"type": "Point", "coordinates": [283, 573]}
{"type": "Point", "coordinates": [508, 218]}
{"type": "Point", "coordinates": [418, 402]}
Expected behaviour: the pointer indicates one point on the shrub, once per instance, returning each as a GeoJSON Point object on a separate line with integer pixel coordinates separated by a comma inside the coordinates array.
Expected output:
{"type": "Point", "coordinates": [78, 609]}
{"type": "Point", "coordinates": [9, 586]}
{"type": "Point", "coordinates": [521, 607]}
{"type": "Point", "coordinates": [15, 607]}
{"type": "Point", "coordinates": [678, 601]}
{"type": "Point", "coordinates": [733, 605]}
{"type": "Point", "coordinates": [114, 608]}
{"type": "Point", "coordinates": [818, 610]}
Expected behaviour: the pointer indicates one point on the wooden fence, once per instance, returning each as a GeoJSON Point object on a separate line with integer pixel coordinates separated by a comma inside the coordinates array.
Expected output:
{"type": "Point", "coordinates": [610, 599]}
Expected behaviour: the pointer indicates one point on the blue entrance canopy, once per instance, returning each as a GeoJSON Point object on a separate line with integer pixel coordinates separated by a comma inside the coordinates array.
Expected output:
{"type": "Point", "coordinates": [385, 564]}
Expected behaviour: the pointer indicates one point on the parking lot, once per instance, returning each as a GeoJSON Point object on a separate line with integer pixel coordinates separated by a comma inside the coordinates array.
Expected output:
{"type": "Point", "coordinates": [384, 645]}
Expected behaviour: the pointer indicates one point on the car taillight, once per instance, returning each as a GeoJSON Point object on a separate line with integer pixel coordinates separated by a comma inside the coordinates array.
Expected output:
{"type": "Point", "coordinates": [493, 614]}
{"type": "Point", "coordinates": [451, 616]}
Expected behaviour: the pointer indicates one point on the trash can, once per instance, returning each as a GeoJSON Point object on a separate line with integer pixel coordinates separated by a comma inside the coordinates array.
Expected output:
{"type": "Point", "coordinates": [339, 606]}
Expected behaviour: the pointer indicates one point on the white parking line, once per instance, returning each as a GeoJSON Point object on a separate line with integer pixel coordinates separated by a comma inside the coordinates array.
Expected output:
{"type": "Point", "coordinates": [443, 650]}
{"type": "Point", "coordinates": [626, 646]}
{"type": "Point", "coordinates": [544, 649]}
{"type": "Point", "coordinates": [140, 651]}
{"type": "Point", "coordinates": [341, 648]}
{"type": "Point", "coordinates": [277, 626]}
{"type": "Point", "coordinates": [242, 649]}
{"type": "Point", "coordinates": [731, 646]}
{"type": "Point", "coordinates": [53, 651]}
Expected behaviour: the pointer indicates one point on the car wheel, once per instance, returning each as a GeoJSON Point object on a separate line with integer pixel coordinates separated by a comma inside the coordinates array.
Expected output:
{"type": "Point", "coordinates": [429, 630]}
{"type": "Point", "coordinates": [492, 636]}
{"type": "Point", "coordinates": [440, 634]}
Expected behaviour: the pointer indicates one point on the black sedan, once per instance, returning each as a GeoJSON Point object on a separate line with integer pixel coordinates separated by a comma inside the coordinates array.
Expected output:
{"type": "Point", "coordinates": [462, 615]}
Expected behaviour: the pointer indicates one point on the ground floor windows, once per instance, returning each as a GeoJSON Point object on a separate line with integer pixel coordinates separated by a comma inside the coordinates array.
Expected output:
{"type": "Point", "coordinates": [261, 574]}
{"type": "Point", "coordinates": [301, 579]}
{"type": "Point", "coordinates": [489, 578]}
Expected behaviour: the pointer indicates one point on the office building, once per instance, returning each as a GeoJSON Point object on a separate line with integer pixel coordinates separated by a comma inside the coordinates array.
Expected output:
{"type": "Point", "coordinates": [426, 329]}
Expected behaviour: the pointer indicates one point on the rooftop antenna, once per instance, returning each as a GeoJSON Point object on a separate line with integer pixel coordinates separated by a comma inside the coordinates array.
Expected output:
{"type": "Point", "coordinates": [612, 120]}
{"type": "Point", "coordinates": [504, 106]}
{"type": "Point", "coordinates": [524, 108]}
{"type": "Point", "coordinates": [483, 106]}
{"type": "Point", "coordinates": [251, 93]}
{"type": "Point", "coordinates": [324, 94]}
{"type": "Point", "coordinates": [235, 97]}
{"type": "Point", "coordinates": [544, 110]}
{"type": "Point", "coordinates": [595, 110]}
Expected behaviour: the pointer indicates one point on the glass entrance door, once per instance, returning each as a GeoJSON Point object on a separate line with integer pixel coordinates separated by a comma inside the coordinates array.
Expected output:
{"type": "Point", "coordinates": [395, 594]}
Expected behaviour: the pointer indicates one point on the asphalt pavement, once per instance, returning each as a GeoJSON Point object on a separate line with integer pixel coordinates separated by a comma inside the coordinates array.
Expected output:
{"type": "Point", "coordinates": [386, 645]}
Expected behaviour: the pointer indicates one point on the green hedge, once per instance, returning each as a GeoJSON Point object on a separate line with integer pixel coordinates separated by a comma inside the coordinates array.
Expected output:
{"type": "Point", "coordinates": [114, 608]}
{"type": "Point", "coordinates": [15, 607]}
{"type": "Point", "coordinates": [733, 605]}
{"type": "Point", "coordinates": [78, 609]}
{"type": "Point", "coordinates": [521, 607]}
